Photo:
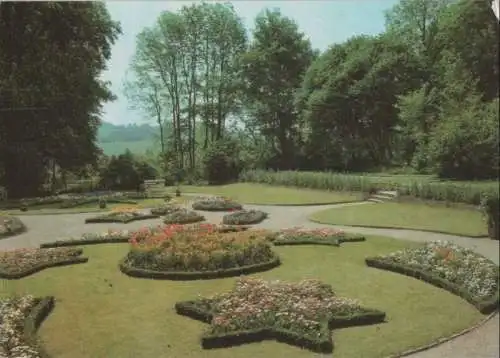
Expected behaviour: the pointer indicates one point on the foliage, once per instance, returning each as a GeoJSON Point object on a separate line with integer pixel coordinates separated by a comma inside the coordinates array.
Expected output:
{"type": "Point", "coordinates": [244, 217]}
{"type": "Point", "coordinates": [221, 162]}
{"type": "Point", "coordinates": [491, 209]}
{"type": "Point", "coordinates": [300, 236]}
{"type": "Point", "coordinates": [300, 313]}
{"type": "Point", "coordinates": [125, 172]}
{"type": "Point", "coordinates": [461, 270]}
{"type": "Point", "coordinates": [179, 248]}
{"type": "Point", "coordinates": [216, 203]}
{"type": "Point", "coordinates": [165, 209]}
{"type": "Point", "coordinates": [52, 94]}
{"type": "Point", "coordinates": [414, 186]}
{"type": "Point", "coordinates": [183, 217]}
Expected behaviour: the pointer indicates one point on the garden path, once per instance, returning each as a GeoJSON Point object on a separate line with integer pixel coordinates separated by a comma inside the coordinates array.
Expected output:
{"type": "Point", "coordinates": [482, 342]}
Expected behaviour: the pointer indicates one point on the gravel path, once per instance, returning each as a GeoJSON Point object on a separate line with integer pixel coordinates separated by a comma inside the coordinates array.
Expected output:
{"type": "Point", "coordinates": [480, 343]}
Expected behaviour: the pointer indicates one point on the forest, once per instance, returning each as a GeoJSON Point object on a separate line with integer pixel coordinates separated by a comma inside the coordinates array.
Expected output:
{"type": "Point", "coordinates": [421, 97]}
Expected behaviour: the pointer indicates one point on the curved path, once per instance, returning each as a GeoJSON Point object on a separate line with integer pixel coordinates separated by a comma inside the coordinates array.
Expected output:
{"type": "Point", "coordinates": [480, 343]}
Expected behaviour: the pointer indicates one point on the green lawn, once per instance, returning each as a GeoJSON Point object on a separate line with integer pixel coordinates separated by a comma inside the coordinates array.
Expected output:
{"type": "Point", "coordinates": [248, 193]}
{"type": "Point", "coordinates": [135, 317]}
{"type": "Point", "coordinates": [54, 209]}
{"type": "Point", "coordinates": [418, 216]}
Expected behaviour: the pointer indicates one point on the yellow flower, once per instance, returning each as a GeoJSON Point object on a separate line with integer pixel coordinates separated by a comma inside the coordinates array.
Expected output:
{"type": "Point", "coordinates": [125, 208]}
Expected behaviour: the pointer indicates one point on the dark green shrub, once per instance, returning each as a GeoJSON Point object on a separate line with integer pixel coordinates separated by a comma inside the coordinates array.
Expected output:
{"type": "Point", "coordinates": [102, 204]}
{"type": "Point", "coordinates": [221, 162]}
{"type": "Point", "coordinates": [244, 217]}
{"type": "Point", "coordinates": [490, 206]}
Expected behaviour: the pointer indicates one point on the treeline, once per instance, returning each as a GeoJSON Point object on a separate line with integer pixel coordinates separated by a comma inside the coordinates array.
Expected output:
{"type": "Point", "coordinates": [421, 95]}
{"type": "Point", "coordinates": [109, 133]}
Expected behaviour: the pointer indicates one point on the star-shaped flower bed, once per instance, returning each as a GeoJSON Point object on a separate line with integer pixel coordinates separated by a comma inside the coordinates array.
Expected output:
{"type": "Point", "coordinates": [301, 314]}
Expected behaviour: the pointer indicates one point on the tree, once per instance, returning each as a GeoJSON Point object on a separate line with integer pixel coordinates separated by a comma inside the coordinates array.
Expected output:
{"type": "Point", "coordinates": [273, 69]}
{"type": "Point", "coordinates": [51, 56]}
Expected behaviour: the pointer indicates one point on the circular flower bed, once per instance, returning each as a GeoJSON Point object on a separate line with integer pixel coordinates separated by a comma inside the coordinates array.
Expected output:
{"type": "Point", "coordinates": [180, 252]}
{"type": "Point", "coordinates": [183, 216]}
{"type": "Point", "coordinates": [244, 217]}
{"type": "Point", "coordinates": [216, 203]}
{"type": "Point", "coordinates": [10, 226]}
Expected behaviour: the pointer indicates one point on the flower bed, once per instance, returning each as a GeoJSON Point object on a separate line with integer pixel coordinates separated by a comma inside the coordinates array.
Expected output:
{"type": "Point", "coordinates": [19, 263]}
{"type": "Point", "coordinates": [244, 217]}
{"type": "Point", "coordinates": [196, 252]}
{"type": "Point", "coordinates": [109, 236]}
{"type": "Point", "coordinates": [165, 209]}
{"type": "Point", "coordinates": [10, 226]}
{"type": "Point", "coordinates": [122, 217]}
{"type": "Point", "coordinates": [301, 314]}
{"type": "Point", "coordinates": [20, 318]}
{"type": "Point", "coordinates": [451, 267]}
{"type": "Point", "coordinates": [183, 216]}
{"type": "Point", "coordinates": [299, 236]}
{"type": "Point", "coordinates": [216, 203]}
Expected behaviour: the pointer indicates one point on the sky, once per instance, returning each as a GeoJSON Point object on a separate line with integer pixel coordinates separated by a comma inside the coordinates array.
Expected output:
{"type": "Point", "coordinates": [325, 22]}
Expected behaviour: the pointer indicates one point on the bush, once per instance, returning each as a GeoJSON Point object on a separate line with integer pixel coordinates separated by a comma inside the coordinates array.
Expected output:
{"type": "Point", "coordinates": [490, 206]}
{"type": "Point", "coordinates": [102, 204]}
{"type": "Point", "coordinates": [217, 203]}
{"type": "Point", "coordinates": [183, 216]}
{"type": "Point", "coordinates": [244, 217]}
{"type": "Point", "coordinates": [195, 249]}
{"type": "Point", "coordinates": [221, 162]}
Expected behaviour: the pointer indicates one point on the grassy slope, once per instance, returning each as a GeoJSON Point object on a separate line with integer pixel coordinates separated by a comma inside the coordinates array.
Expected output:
{"type": "Point", "coordinates": [135, 318]}
{"type": "Point", "coordinates": [418, 216]}
{"type": "Point", "coordinates": [249, 193]}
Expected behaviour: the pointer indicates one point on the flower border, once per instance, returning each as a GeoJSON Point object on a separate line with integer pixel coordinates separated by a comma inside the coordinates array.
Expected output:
{"type": "Point", "coordinates": [337, 241]}
{"type": "Point", "coordinates": [193, 310]}
{"type": "Point", "coordinates": [42, 266]}
{"type": "Point", "coordinates": [107, 219]}
{"type": "Point", "coordinates": [198, 275]}
{"type": "Point", "coordinates": [259, 216]}
{"type": "Point", "coordinates": [201, 205]}
{"type": "Point", "coordinates": [484, 306]}
{"type": "Point", "coordinates": [82, 242]}
{"type": "Point", "coordinates": [21, 230]}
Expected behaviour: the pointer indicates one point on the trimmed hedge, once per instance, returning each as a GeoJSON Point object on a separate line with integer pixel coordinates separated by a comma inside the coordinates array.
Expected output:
{"type": "Point", "coordinates": [193, 310]}
{"type": "Point", "coordinates": [314, 241]}
{"type": "Point", "coordinates": [107, 218]}
{"type": "Point", "coordinates": [484, 306]}
{"type": "Point", "coordinates": [197, 275]}
{"type": "Point", "coordinates": [34, 320]}
{"type": "Point", "coordinates": [244, 217]}
{"type": "Point", "coordinates": [491, 210]}
{"type": "Point", "coordinates": [39, 267]}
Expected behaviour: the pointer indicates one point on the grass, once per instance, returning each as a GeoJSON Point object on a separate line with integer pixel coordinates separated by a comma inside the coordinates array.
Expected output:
{"type": "Point", "coordinates": [418, 216]}
{"type": "Point", "coordinates": [248, 193]}
{"type": "Point", "coordinates": [54, 209]}
{"type": "Point", "coordinates": [89, 311]}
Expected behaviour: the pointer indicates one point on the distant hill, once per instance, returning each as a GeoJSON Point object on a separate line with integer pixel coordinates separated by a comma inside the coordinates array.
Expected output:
{"type": "Point", "coordinates": [115, 139]}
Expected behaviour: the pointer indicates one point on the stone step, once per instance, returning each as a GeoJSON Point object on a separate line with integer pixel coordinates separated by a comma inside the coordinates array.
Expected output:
{"type": "Point", "coordinates": [383, 197]}
{"type": "Point", "coordinates": [392, 193]}
{"type": "Point", "coordinates": [374, 200]}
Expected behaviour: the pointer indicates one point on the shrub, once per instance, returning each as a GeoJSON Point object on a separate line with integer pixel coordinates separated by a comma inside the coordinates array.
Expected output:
{"type": "Point", "coordinates": [302, 314]}
{"type": "Point", "coordinates": [221, 162]}
{"type": "Point", "coordinates": [490, 206]}
{"type": "Point", "coordinates": [10, 225]}
{"type": "Point", "coordinates": [102, 204]}
{"type": "Point", "coordinates": [216, 203]}
{"type": "Point", "coordinates": [449, 266]}
{"type": "Point", "coordinates": [244, 217]}
{"type": "Point", "coordinates": [183, 216]}
{"type": "Point", "coordinates": [194, 249]}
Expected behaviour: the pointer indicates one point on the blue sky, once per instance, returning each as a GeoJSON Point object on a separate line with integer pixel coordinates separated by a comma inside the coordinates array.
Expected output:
{"type": "Point", "coordinates": [325, 22]}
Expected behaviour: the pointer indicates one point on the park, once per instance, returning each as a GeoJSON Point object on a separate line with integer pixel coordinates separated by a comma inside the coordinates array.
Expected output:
{"type": "Point", "coordinates": [332, 223]}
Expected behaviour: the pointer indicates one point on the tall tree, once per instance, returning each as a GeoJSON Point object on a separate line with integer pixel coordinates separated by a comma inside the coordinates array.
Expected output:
{"type": "Point", "coordinates": [273, 68]}
{"type": "Point", "coordinates": [51, 57]}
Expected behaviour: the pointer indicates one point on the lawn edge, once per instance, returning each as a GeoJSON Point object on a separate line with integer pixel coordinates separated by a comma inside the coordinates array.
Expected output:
{"type": "Point", "coordinates": [486, 306]}
{"type": "Point", "coordinates": [443, 340]}
{"type": "Point", "coordinates": [34, 320]}
{"type": "Point", "coordinates": [311, 219]}
{"type": "Point", "coordinates": [198, 275]}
